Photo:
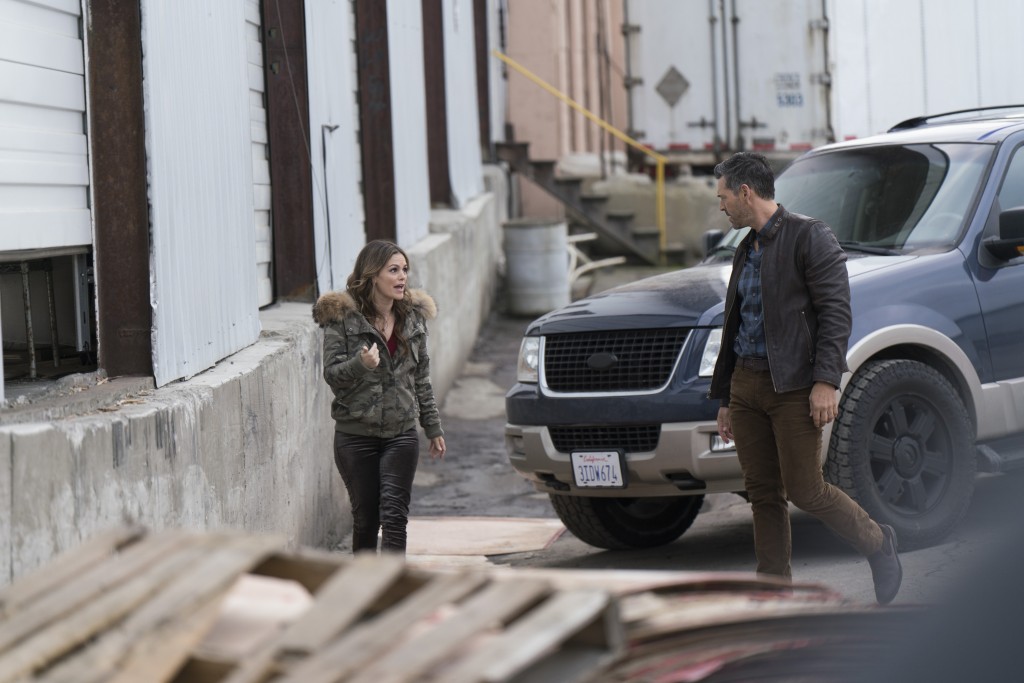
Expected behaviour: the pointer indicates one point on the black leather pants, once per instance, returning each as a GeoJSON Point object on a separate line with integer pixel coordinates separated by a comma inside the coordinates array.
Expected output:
{"type": "Point", "coordinates": [378, 474]}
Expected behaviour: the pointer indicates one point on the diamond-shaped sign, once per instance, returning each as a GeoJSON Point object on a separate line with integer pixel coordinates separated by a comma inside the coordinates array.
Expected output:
{"type": "Point", "coordinates": [672, 86]}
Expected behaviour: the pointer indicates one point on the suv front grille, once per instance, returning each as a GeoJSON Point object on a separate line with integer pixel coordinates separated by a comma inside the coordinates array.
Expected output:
{"type": "Point", "coordinates": [626, 360]}
{"type": "Point", "coordinates": [636, 439]}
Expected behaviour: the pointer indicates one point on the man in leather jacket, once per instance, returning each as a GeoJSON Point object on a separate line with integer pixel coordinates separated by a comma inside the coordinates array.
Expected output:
{"type": "Point", "coordinates": [783, 354]}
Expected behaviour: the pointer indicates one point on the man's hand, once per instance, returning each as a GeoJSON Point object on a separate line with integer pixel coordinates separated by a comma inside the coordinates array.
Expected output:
{"type": "Point", "coordinates": [824, 404]}
{"type": "Point", "coordinates": [724, 424]}
{"type": "Point", "coordinates": [370, 356]}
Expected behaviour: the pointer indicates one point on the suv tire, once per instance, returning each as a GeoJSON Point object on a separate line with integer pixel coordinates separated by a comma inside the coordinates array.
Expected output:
{"type": "Point", "coordinates": [903, 448]}
{"type": "Point", "coordinates": [624, 523]}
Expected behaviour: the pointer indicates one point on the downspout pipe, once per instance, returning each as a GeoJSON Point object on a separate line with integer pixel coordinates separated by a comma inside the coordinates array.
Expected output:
{"type": "Point", "coordinates": [628, 49]}
{"type": "Point", "coordinates": [716, 145]}
{"type": "Point", "coordinates": [725, 75]}
{"type": "Point", "coordinates": [830, 131]}
{"type": "Point", "coordinates": [736, 75]}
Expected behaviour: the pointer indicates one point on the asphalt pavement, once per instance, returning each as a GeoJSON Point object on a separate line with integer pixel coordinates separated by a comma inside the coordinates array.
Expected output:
{"type": "Point", "coordinates": [475, 479]}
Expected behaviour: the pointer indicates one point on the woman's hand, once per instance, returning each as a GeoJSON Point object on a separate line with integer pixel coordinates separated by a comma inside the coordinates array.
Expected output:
{"type": "Point", "coordinates": [370, 356]}
{"type": "Point", "coordinates": [437, 448]}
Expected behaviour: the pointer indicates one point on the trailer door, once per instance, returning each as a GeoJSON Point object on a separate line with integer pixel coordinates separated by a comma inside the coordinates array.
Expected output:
{"type": "Point", "coordinates": [777, 70]}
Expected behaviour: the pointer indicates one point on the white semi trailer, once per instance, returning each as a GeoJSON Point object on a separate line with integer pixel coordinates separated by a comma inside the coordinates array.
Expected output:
{"type": "Point", "coordinates": [710, 77]}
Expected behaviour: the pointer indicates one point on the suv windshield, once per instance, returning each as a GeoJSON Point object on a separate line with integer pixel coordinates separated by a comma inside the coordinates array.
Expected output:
{"type": "Point", "coordinates": [891, 198]}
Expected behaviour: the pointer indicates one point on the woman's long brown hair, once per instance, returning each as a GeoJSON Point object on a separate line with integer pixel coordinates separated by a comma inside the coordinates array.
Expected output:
{"type": "Point", "coordinates": [372, 259]}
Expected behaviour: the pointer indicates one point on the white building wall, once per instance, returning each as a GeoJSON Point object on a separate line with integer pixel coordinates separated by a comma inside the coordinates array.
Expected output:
{"type": "Point", "coordinates": [496, 80]}
{"type": "Point", "coordinates": [338, 218]}
{"type": "Point", "coordinates": [408, 121]}
{"type": "Point", "coordinates": [199, 151]}
{"type": "Point", "coordinates": [464, 158]}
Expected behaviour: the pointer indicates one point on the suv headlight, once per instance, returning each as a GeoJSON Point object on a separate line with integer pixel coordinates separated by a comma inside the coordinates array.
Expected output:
{"type": "Point", "coordinates": [528, 367]}
{"type": "Point", "coordinates": [710, 355]}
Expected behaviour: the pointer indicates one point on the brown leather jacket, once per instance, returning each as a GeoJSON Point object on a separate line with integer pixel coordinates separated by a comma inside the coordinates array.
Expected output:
{"type": "Point", "coordinates": [806, 292]}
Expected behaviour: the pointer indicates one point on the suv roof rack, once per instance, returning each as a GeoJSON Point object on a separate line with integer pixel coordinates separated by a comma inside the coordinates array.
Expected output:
{"type": "Point", "coordinates": [960, 114]}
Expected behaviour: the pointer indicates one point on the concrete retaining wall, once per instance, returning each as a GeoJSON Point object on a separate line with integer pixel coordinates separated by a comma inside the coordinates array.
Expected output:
{"type": "Point", "coordinates": [240, 446]}
{"type": "Point", "coordinates": [246, 445]}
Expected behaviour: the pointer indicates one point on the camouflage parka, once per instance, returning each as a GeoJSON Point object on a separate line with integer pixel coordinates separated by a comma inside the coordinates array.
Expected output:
{"type": "Point", "coordinates": [387, 400]}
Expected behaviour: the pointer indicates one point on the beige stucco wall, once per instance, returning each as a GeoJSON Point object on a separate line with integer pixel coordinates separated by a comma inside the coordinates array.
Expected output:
{"type": "Point", "coordinates": [556, 40]}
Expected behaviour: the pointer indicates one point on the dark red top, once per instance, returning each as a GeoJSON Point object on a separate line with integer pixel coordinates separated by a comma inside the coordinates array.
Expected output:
{"type": "Point", "coordinates": [392, 344]}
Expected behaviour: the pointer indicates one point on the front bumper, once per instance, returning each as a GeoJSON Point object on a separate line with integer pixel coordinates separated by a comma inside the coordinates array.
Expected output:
{"type": "Point", "coordinates": [682, 463]}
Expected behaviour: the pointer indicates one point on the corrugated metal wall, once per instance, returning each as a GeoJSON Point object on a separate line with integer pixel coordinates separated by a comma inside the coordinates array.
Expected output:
{"type": "Point", "coordinates": [409, 120]}
{"type": "Point", "coordinates": [338, 218]}
{"type": "Point", "coordinates": [464, 157]}
{"type": "Point", "coordinates": [260, 155]}
{"type": "Point", "coordinates": [44, 175]}
{"type": "Point", "coordinates": [499, 93]}
{"type": "Point", "coordinates": [199, 149]}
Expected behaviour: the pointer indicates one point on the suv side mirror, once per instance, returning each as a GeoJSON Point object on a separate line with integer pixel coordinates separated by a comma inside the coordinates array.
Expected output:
{"type": "Point", "coordinates": [711, 238]}
{"type": "Point", "coordinates": [1010, 243]}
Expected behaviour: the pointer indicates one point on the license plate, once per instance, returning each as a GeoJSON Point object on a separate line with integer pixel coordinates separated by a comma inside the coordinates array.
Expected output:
{"type": "Point", "coordinates": [598, 469]}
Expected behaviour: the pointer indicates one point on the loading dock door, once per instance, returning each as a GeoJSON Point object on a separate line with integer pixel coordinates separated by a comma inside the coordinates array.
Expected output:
{"type": "Point", "coordinates": [44, 172]}
{"type": "Point", "coordinates": [44, 164]}
{"type": "Point", "coordinates": [260, 155]}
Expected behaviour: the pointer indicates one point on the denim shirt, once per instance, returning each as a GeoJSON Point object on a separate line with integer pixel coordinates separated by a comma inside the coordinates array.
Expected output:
{"type": "Point", "coordinates": [750, 339]}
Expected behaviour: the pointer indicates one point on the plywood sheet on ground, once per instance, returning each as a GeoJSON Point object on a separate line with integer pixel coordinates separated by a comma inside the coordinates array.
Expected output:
{"type": "Point", "coordinates": [480, 535]}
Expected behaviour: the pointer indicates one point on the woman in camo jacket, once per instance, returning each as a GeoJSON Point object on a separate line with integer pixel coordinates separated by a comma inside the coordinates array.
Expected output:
{"type": "Point", "coordinates": [375, 360]}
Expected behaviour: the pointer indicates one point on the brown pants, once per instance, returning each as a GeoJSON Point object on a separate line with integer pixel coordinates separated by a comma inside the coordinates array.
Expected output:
{"type": "Point", "coordinates": [779, 450]}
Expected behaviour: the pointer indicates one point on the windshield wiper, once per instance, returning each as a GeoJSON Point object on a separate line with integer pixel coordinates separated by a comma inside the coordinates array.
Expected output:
{"type": "Point", "coordinates": [850, 245]}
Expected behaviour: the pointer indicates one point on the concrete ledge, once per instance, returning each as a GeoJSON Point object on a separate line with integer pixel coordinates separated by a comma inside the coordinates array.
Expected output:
{"type": "Point", "coordinates": [77, 394]}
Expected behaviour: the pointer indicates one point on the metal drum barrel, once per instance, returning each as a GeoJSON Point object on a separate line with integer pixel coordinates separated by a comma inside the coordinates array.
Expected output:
{"type": "Point", "coordinates": [537, 260]}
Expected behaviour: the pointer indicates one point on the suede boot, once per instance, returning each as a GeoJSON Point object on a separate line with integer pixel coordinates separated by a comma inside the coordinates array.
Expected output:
{"type": "Point", "coordinates": [885, 567]}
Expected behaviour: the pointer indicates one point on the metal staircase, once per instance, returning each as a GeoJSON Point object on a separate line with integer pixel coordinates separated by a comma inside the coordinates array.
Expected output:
{"type": "Point", "coordinates": [615, 228]}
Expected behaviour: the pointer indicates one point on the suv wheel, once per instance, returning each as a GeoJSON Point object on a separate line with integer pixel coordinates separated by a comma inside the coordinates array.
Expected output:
{"type": "Point", "coordinates": [623, 523]}
{"type": "Point", "coordinates": [902, 448]}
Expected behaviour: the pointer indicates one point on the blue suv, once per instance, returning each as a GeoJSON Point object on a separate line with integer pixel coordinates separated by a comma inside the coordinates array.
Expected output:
{"type": "Point", "coordinates": [610, 414]}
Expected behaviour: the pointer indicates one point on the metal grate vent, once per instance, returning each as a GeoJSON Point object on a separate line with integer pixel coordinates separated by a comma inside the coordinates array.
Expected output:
{"type": "Point", "coordinates": [632, 439]}
{"type": "Point", "coordinates": [625, 360]}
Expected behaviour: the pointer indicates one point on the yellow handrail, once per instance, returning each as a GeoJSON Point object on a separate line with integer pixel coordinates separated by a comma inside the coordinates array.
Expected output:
{"type": "Point", "coordinates": [659, 159]}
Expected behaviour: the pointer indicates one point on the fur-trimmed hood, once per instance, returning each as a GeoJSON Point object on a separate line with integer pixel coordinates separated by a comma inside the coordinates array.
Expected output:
{"type": "Point", "coordinates": [332, 307]}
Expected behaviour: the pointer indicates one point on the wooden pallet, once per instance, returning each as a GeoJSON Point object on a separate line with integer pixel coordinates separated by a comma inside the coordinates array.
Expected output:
{"type": "Point", "coordinates": [135, 606]}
